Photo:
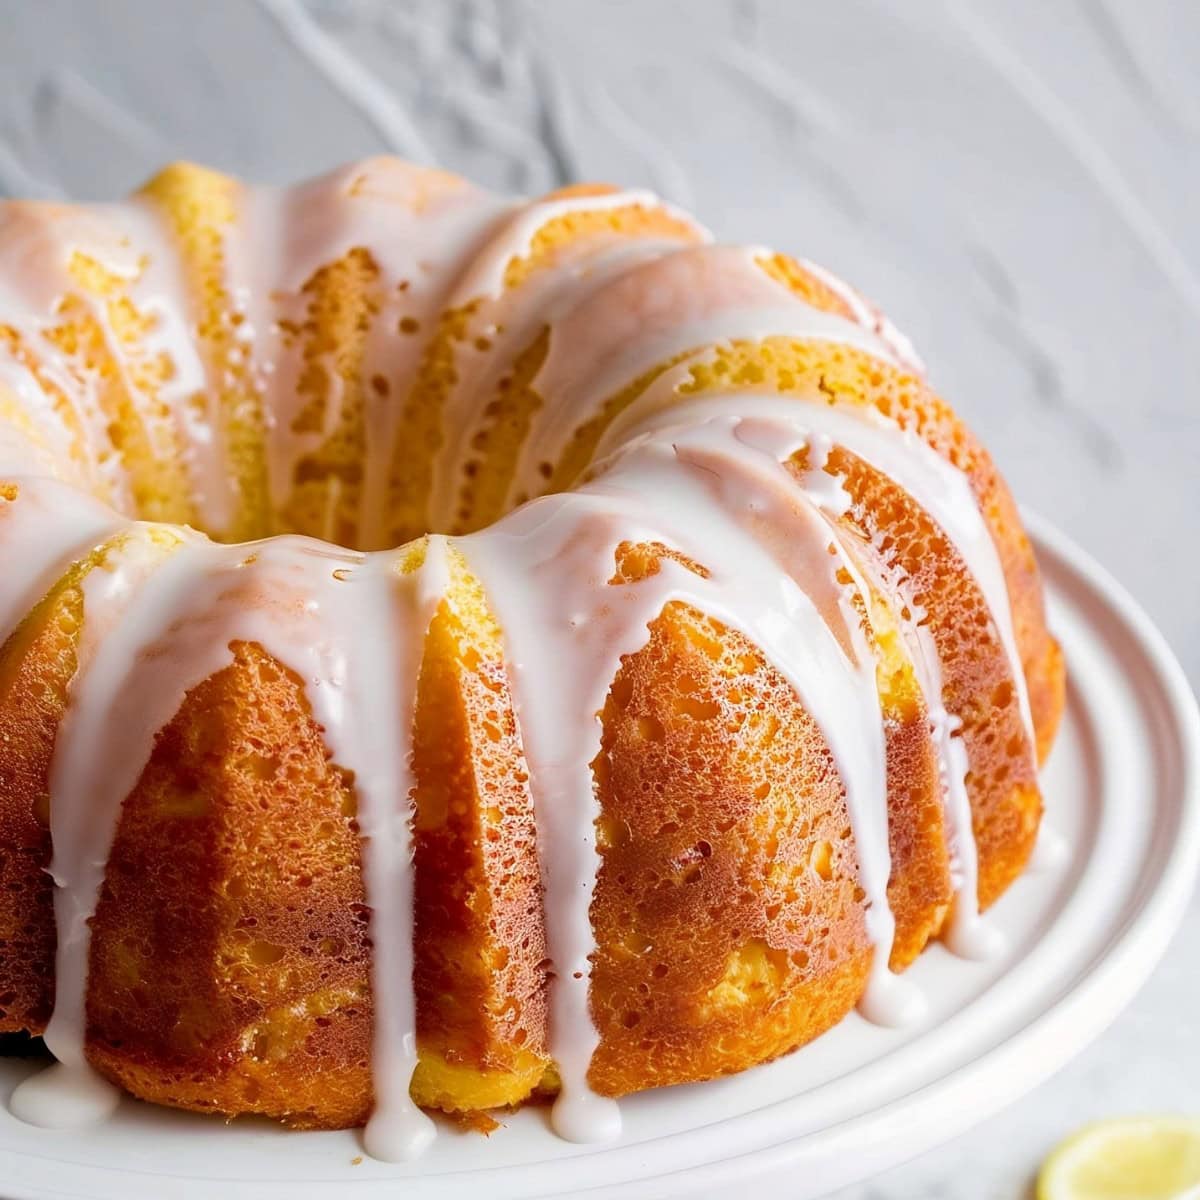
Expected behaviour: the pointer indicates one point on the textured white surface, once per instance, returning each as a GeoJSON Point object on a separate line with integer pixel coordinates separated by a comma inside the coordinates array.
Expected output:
{"type": "Point", "coordinates": [1015, 183]}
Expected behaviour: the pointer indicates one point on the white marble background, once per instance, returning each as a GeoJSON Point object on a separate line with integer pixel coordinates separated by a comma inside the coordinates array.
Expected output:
{"type": "Point", "coordinates": [1016, 183]}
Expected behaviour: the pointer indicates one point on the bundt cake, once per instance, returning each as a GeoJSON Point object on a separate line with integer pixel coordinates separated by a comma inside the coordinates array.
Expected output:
{"type": "Point", "coordinates": [707, 684]}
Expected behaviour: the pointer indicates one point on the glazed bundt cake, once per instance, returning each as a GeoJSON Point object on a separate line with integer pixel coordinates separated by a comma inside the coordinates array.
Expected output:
{"type": "Point", "coordinates": [458, 651]}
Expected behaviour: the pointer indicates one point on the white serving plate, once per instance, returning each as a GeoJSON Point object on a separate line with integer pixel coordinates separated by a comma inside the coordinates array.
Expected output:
{"type": "Point", "coordinates": [1123, 791]}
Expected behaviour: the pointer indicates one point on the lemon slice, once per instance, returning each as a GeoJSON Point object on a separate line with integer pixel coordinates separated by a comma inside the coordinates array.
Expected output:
{"type": "Point", "coordinates": [1130, 1158]}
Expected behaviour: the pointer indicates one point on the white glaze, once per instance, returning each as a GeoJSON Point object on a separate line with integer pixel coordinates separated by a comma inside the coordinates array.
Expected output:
{"type": "Point", "coordinates": [936, 485]}
{"type": "Point", "coordinates": [129, 242]}
{"type": "Point", "coordinates": [680, 303]}
{"type": "Point", "coordinates": [38, 441]}
{"type": "Point", "coordinates": [39, 240]}
{"type": "Point", "coordinates": [63, 1096]}
{"type": "Point", "coordinates": [422, 230]}
{"type": "Point", "coordinates": [88, 785]}
{"type": "Point", "coordinates": [486, 276]}
{"type": "Point", "coordinates": [511, 318]}
{"type": "Point", "coordinates": [544, 568]}
{"type": "Point", "coordinates": [966, 934]}
{"type": "Point", "coordinates": [510, 322]}
{"type": "Point", "coordinates": [705, 477]}
{"type": "Point", "coordinates": [376, 734]}
{"type": "Point", "coordinates": [46, 527]}
{"type": "Point", "coordinates": [161, 291]}
{"type": "Point", "coordinates": [944, 493]}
